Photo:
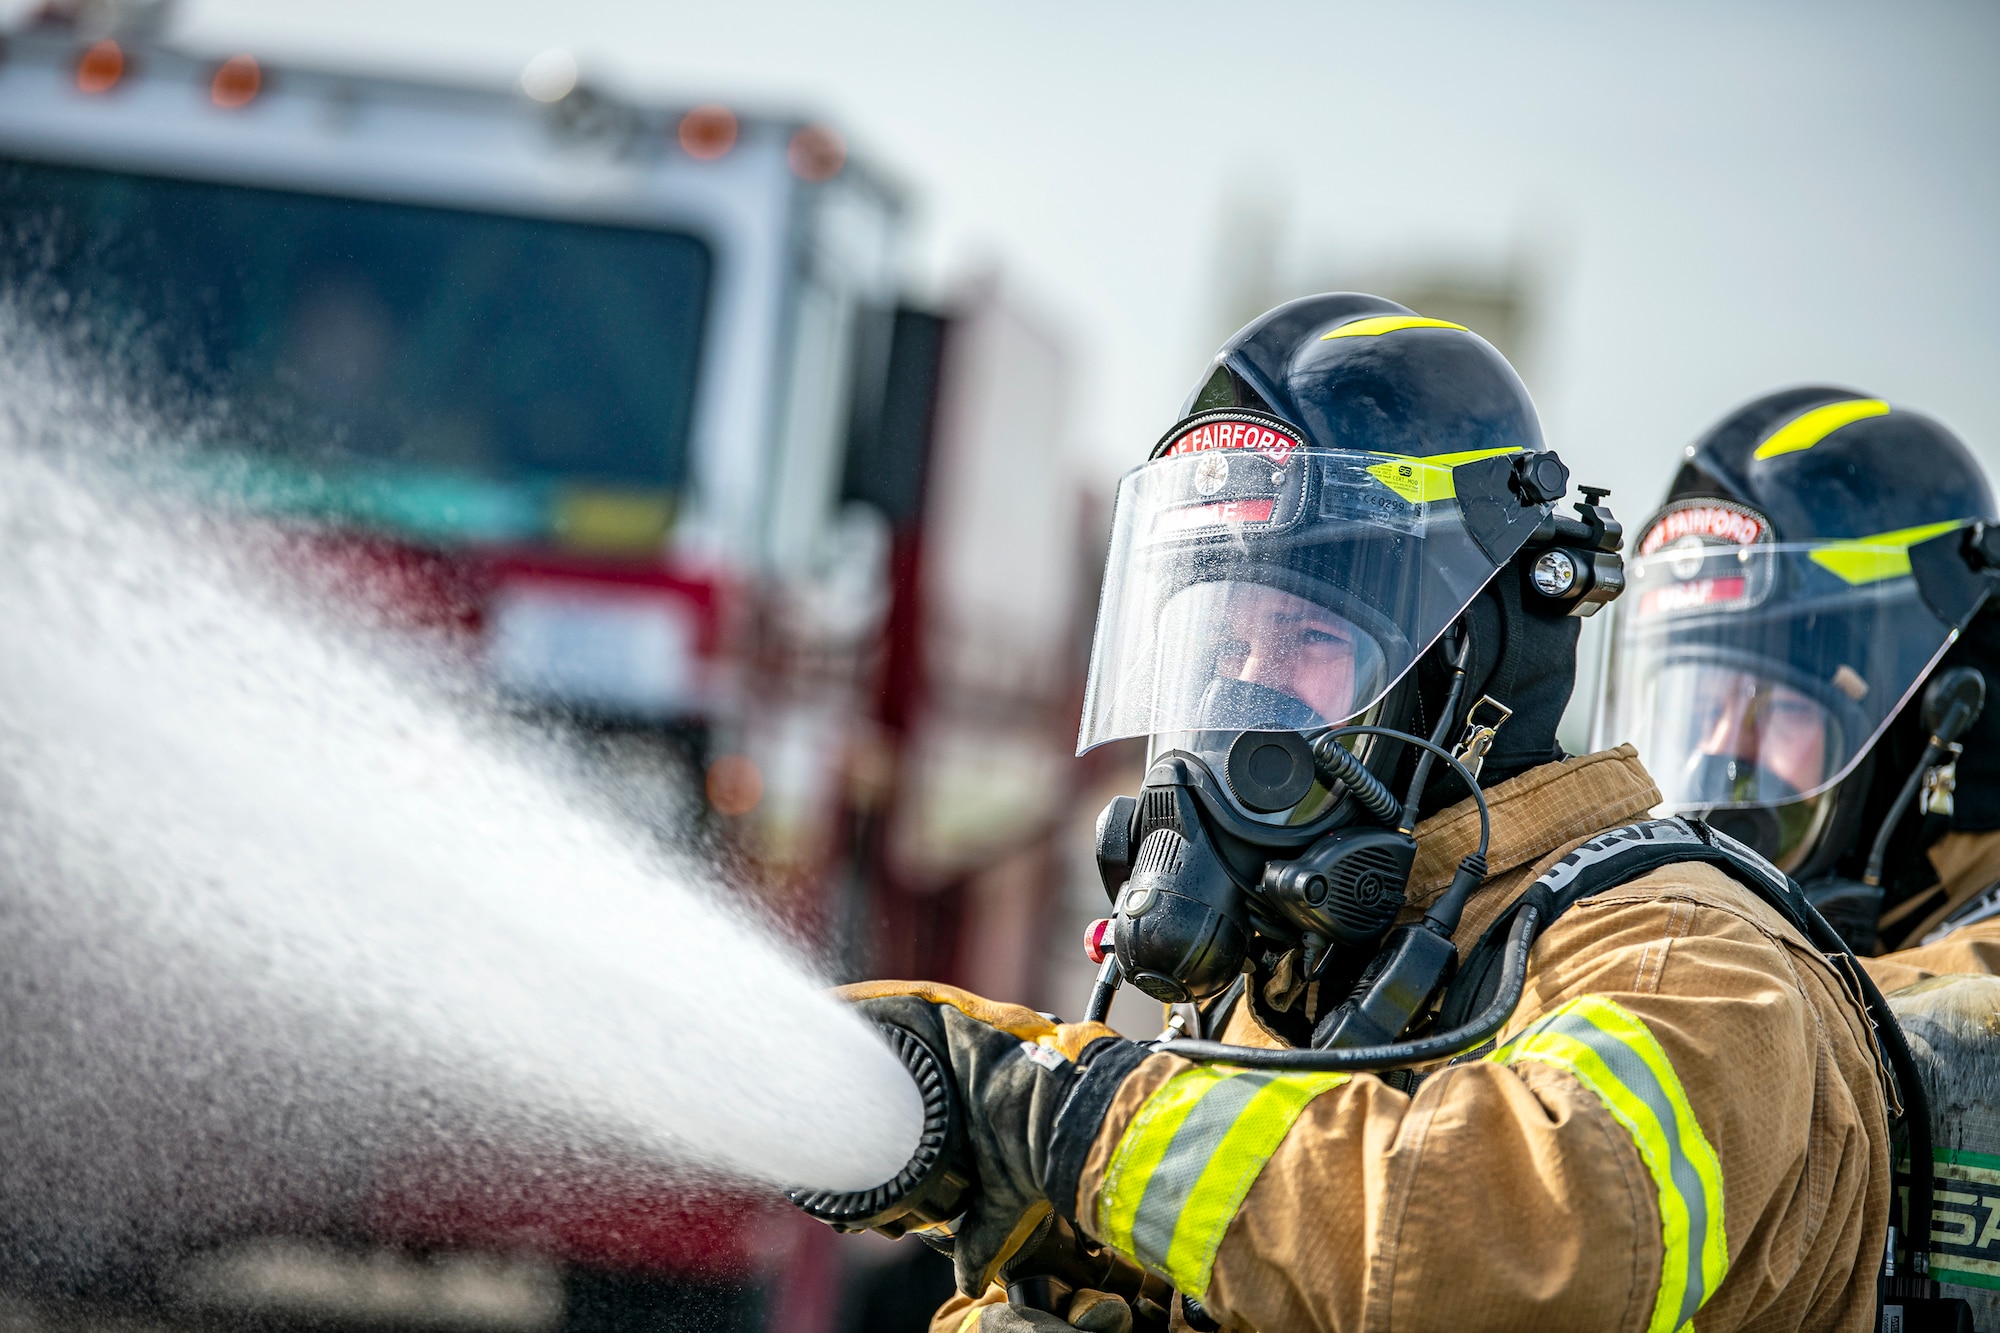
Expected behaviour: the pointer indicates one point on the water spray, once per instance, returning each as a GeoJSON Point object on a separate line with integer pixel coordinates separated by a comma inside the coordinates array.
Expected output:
{"type": "Point", "coordinates": [296, 923]}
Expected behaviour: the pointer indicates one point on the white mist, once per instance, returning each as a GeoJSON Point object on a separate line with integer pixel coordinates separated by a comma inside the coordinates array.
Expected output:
{"type": "Point", "coordinates": [285, 922]}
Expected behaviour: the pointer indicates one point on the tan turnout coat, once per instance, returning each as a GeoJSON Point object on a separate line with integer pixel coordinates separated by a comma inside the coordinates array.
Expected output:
{"type": "Point", "coordinates": [1967, 864]}
{"type": "Point", "coordinates": [1512, 1192]}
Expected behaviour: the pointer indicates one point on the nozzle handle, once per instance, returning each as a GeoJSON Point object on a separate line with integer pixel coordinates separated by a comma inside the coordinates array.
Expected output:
{"type": "Point", "coordinates": [1058, 1261]}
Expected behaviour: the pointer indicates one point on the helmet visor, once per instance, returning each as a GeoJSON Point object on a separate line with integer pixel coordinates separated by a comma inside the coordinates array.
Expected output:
{"type": "Point", "coordinates": [1758, 676]}
{"type": "Point", "coordinates": [1251, 593]}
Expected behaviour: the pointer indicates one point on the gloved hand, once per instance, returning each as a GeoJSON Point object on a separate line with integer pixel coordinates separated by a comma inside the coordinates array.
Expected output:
{"type": "Point", "coordinates": [1033, 1094]}
{"type": "Point", "coordinates": [1099, 1312]}
{"type": "Point", "coordinates": [1092, 1311]}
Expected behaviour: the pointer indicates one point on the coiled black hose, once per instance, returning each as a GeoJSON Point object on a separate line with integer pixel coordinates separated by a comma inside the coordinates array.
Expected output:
{"type": "Point", "coordinates": [1431, 747]}
{"type": "Point", "coordinates": [1337, 764]}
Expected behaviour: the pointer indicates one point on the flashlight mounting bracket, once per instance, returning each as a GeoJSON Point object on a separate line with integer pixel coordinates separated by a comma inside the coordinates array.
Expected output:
{"type": "Point", "coordinates": [1578, 562]}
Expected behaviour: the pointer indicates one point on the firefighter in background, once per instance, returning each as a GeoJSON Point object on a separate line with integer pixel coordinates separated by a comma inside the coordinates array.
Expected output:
{"type": "Point", "coordinates": [1684, 1115]}
{"type": "Point", "coordinates": [1773, 653]}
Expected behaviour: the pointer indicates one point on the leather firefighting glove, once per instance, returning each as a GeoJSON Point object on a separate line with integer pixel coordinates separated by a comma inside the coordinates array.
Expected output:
{"type": "Point", "coordinates": [1033, 1092]}
{"type": "Point", "coordinates": [1091, 1311]}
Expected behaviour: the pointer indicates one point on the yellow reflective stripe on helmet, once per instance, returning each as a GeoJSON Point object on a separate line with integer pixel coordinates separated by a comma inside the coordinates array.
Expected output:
{"type": "Point", "coordinates": [1421, 480]}
{"type": "Point", "coordinates": [1886, 555]}
{"type": "Point", "coordinates": [1368, 328]}
{"type": "Point", "coordinates": [1612, 1053]}
{"type": "Point", "coordinates": [1184, 1165]}
{"type": "Point", "coordinates": [1809, 428]}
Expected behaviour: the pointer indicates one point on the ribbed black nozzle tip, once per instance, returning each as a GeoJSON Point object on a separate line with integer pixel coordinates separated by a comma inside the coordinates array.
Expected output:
{"type": "Point", "coordinates": [932, 1184]}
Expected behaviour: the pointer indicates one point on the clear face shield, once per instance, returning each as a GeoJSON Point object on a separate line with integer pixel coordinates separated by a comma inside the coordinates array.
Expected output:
{"type": "Point", "coordinates": [1753, 678]}
{"type": "Point", "coordinates": [1286, 589]}
{"type": "Point", "coordinates": [1260, 594]}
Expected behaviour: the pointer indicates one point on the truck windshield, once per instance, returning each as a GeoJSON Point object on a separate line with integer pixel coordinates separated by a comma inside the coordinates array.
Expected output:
{"type": "Point", "coordinates": [350, 336]}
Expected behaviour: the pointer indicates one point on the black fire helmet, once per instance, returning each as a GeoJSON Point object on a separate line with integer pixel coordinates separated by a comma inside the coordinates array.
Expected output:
{"type": "Point", "coordinates": [1310, 483]}
{"type": "Point", "coordinates": [1774, 628]}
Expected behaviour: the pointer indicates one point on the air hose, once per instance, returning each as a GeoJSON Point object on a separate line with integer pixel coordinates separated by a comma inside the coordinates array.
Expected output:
{"type": "Point", "coordinates": [1392, 1055]}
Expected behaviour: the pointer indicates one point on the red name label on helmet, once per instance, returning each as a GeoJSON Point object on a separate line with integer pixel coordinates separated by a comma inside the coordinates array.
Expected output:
{"type": "Point", "coordinates": [1202, 434]}
{"type": "Point", "coordinates": [1727, 524]}
{"type": "Point", "coordinates": [1202, 516]}
{"type": "Point", "coordinates": [1691, 596]}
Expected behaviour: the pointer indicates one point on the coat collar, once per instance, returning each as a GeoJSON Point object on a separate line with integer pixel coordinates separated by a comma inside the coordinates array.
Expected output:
{"type": "Point", "coordinates": [1534, 814]}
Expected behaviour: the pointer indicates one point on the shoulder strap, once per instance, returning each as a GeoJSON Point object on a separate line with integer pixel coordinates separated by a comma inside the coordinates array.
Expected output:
{"type": "Point", "coordinates": [1981, 906]}
{"type": "Point", "coordinates": [1612, 858]}
{"type": "Point", "coordinates": [1623, 854]}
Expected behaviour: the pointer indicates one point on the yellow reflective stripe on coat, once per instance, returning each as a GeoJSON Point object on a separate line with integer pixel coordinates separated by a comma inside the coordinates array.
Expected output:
{"type": "Point", "coordinates": [1886, 555]}
{"type": "Point", "coordinates": [1613, 1054]}
{"type": "Point", "coordinates": [1183, 1166]}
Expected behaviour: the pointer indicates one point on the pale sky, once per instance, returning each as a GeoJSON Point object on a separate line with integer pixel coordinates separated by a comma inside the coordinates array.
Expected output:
{"type": "Point", "coordinates": [1726, 198]}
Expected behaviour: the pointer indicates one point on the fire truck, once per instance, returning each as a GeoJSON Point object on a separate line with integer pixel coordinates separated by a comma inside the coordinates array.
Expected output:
{"type": "Point", "coordinates": [620, 406]}
{"type": "Point", "coordinates": [599, 355]}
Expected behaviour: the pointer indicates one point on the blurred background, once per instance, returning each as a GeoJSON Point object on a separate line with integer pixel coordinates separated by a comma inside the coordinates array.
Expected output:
{"type": "Point", "coordinates": [743, 387]}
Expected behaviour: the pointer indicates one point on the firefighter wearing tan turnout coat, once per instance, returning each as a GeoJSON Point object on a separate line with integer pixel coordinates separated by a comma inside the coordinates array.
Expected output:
{"type": "Point", "coordinates": [1685, 1114]}
{"type": "Point", "coordinates": [1341, 607]}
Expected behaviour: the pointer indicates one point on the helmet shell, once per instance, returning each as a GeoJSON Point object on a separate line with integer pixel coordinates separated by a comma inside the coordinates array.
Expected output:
{"type": "Point", "coordinates": [1822, 463]}
{"type": "Point", "coordinates": [1345, 374]}
{"type": "Point", "coordinates": [1359, 372]}
{"type": "Point", "coordinates": [1775, 585]}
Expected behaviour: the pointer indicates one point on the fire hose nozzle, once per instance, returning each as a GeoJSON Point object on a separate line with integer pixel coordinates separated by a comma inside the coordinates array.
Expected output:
{"type": "Point", "coordinates": [937, 1183]}
{"type": "Point", "coordinates": [933, 1185]}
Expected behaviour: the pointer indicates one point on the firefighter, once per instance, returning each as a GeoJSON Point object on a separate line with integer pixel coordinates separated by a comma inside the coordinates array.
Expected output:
{"type": "Point", "coordinates": [1772, 661]}
{"type": "Point", "coordinates": [1678, 1111]}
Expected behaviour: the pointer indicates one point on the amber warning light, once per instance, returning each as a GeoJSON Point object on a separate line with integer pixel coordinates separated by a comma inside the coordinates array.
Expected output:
{"type": "Point", "coordinates": [100, 67]}
{"type": "Point", "coordinates": [236, 82]}
{"type": "Point", "coordinates": [816, 154]}
{"type": "Point", "coordinates": [708, 132]}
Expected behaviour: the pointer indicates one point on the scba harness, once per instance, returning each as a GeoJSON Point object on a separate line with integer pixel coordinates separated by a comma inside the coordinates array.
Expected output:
{"type": "Point", "coordinates": [1909, 1300]}
{"type": "Point", "coordinates": [1618, 857]}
